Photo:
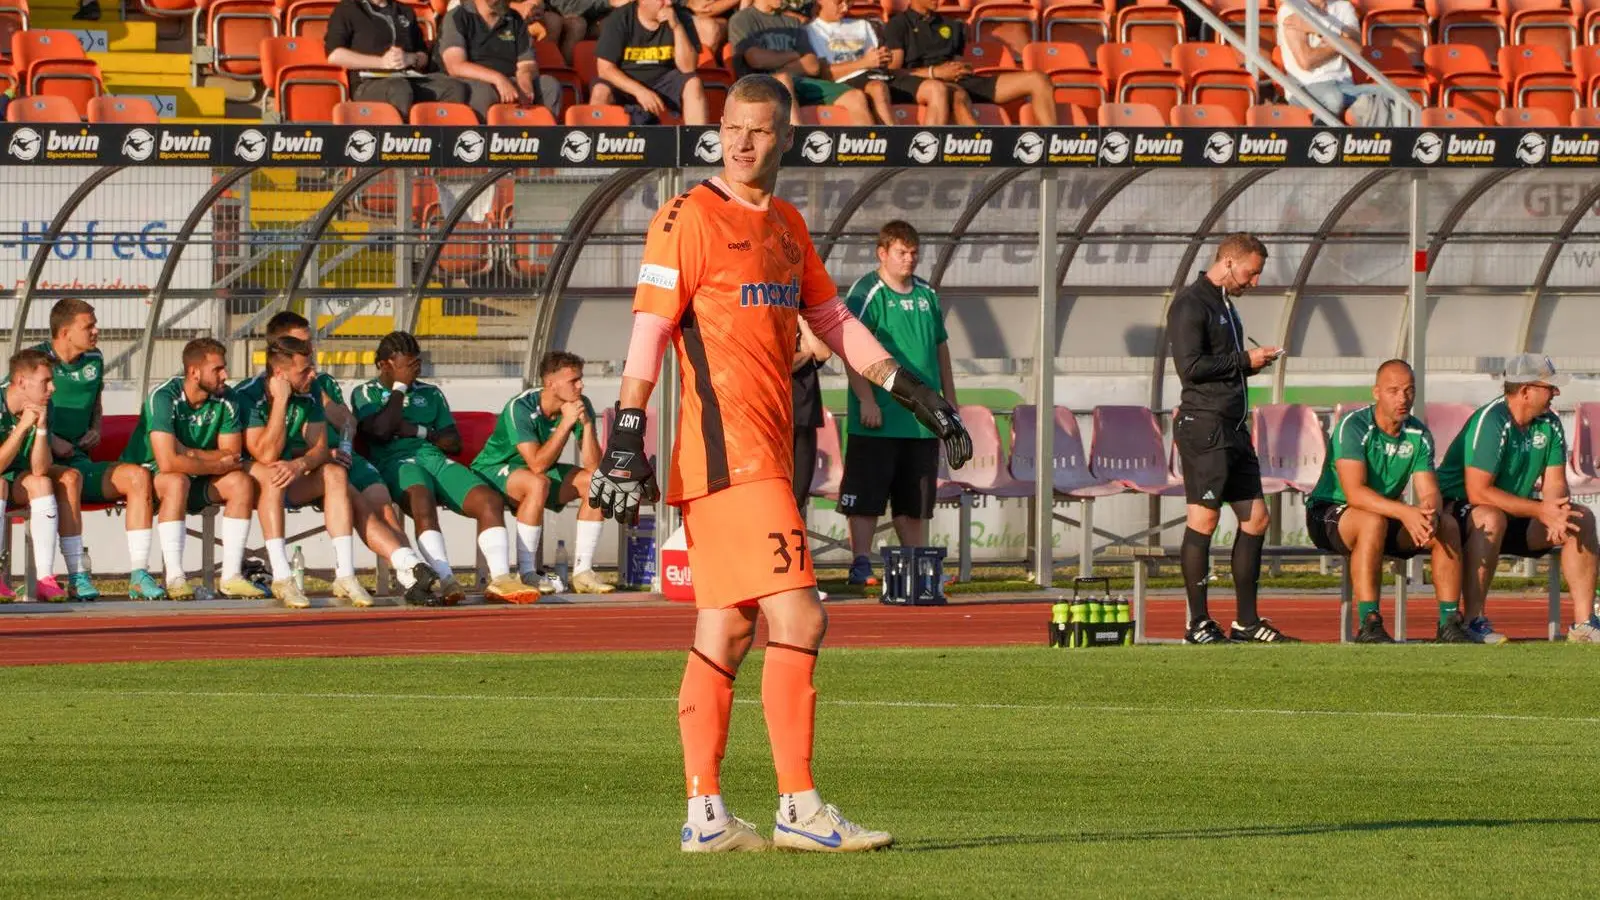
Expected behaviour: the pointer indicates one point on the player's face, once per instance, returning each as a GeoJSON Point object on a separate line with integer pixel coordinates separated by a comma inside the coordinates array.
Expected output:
{"type": "Point", "coordinates": [36, 386]}
{"type": "Point", "coordinates": [753, 142]}
{"type": "Point", "coordinates": [300, 371]}
{"type": "Point", "coordinates": [1243, 273]}
{"type": "Point", "coordinates": [566, 385]}
{"type": "Point", "coordinates": [212, 375]}
{"type": "Point", "coordinates": [898, 259]}
{"type": "Point", "coordinates": [83, 333]}
{"type": "Point", "coordinates": [1539, 397]}
{"type": "Point", "coordinates": [1395, 393]}
{"type": "Point", "coordinates": [830, 10]}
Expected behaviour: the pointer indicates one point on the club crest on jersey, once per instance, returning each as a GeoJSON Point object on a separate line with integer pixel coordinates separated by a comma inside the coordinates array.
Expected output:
{"type": "Point", "coordinates": [791, 249]}
{"type": "Point", "coordinates": [770, 293]}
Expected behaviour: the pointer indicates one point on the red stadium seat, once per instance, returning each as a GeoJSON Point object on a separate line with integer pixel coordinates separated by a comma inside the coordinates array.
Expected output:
{"type": "Point", "coordinates": [586, 114]}
{"type": "Point", "coordinates": [1535, 76]}
{"type": "Point", "coordinates": [453, 114]}
{"type": "Point", "coordinates": [476, 427]}
{"type": "Point", "coordinates": [1135, 73]}
{"type": "Point", "coordinates": [41, 109]}
{"type": "Point", "coordinates": [1204, 115]}
{"type": "Point", "coordinates": [234, 31]}
{"type": "Point", "coordinates": [512, 115]}
{"type": "Point", "coordinates": [366, 112]}
{"type": "Point", "coordinates": [1539, 117]}
{"type": "Point", "coordinates": [1278, 115]}
{"type": "Point", "coordinates": [1161, 27]}
{"type": "Point", "coordinates": [122, 111]}
{"type": "Point", "coordinates": [1130, 115]}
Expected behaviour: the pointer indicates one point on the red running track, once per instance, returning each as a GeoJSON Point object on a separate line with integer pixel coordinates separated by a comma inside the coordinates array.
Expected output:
{"type": "Point", "coordinates": [32, 639]}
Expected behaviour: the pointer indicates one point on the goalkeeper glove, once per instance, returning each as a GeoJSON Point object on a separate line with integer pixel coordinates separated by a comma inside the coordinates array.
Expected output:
{"type": "Point", "coordinates": [625, 478]}
{"type": "Point", "coordinates": [935, 414]}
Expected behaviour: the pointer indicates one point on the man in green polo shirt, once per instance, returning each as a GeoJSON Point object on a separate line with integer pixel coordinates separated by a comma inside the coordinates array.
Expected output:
{"type": "Point", "coordinates": [1358, 511]}
{"type": "Point", "coordinates": [27, 477]}
{"type": "Point", "coordinates": [1504, 479]}
{"type": "Point", "coordinates": [190, 434]}
{"type": "Point", "coordinates": [521, 460]}
{"type": "Point", "coordinates": [890, 459]}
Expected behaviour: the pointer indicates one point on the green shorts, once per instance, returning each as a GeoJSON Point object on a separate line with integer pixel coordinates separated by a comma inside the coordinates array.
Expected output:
{"type": "Point", "coordinates": [447, 480]}
{"type": "Point", "coordinates": [819, 91]}
{"type": "Point", "coordinates": [500, 477]}
{"type": "Point", "coordinates": [94, 476]}
{"type": "Point", "coordinates": [363, 474]}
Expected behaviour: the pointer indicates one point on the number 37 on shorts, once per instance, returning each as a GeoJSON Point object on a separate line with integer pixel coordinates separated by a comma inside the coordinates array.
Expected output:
{"type": "Point", "coordinates": [747, 542]}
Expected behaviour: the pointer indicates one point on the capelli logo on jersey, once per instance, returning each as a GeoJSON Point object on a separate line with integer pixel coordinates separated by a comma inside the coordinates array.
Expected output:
{"type": "Point", "coordinates": [771, 293]}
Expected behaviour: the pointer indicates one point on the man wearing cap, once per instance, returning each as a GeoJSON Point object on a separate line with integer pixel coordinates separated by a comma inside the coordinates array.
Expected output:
{"type": "Point", "coordinates": [1491, 481]}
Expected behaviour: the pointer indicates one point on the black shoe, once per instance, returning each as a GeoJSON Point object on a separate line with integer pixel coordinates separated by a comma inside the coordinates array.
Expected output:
{"type": "Point", "coordinates": [421, 593]}
{"type": "Point", "coordinates": [88, 12]}
{"type": "Point", "coordinates": [1453, 631]}
{"type": "Point", "coordinates": [1204, 631]}
{"type": "Point", "coordinates": [1261, 632]}
{"type": "Point", "coordinates": [1372, 631]}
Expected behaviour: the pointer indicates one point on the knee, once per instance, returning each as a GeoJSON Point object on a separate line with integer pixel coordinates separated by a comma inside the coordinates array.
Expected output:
{"type": "Point", "coordinates": [694, 87]}
{"type": "Point", "coordinates": [1448, 533]}
{"type": "Point", "coordinates": [136, 481]}
{"type": "Point", "coordinates": [169, 484]}
{"type": "Point", "coordinates": [71, 480]}
{"type": "Point", "coordinates": [600, 94]}
{"type": "Point", "coordinates": [1372, 529]}
{"type": "Point", "coordinates": [335, 476]}
{"type": "Point", "coordinates": [1488, 522]}
{"type": "Point", "coordinates": [36, 486]}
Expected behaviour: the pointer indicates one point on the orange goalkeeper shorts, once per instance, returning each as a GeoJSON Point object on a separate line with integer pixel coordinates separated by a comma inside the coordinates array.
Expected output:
{"type": "Point", "coordinates": [746, 542]}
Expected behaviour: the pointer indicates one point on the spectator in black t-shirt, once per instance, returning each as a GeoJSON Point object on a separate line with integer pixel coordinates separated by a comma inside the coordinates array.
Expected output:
{"type": "Point", "coordinates": [645, 60]}
{"type": "Point", "coordinates": [924, 46]}
{"type": "Point", "coordinates": [381, 42]}
{"type": "Point", "coordinates": [485, 43]}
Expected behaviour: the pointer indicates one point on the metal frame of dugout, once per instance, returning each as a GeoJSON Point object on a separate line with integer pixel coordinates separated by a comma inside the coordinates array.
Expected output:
{"type": "Point", "coordinates": [234, 152]}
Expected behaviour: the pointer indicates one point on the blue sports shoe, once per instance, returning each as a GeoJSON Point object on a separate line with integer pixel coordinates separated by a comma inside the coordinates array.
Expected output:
{"type": "Point", "coordinates": [141, 586]}
{"type": "Point", "coordinates": [1482, 632]}
{"type": "Point", "coordinates": [827, 832]}
{"type": "Point", "coordinates": [861, 571]}
{"type": "Point", "coordinates": [733, 836]}
{"type": "Point", "coordinates": [81, 587]}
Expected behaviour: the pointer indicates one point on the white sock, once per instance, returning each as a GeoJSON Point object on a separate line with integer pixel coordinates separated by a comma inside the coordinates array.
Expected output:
{"type": "Point", "coordinates": [403, 561]}
{"type": "Point", "coordinates": [528, 548]}
{"type": "Point", "coordinates": [43, 522]}
{"type": "Point", "coordinates": [72, 552]}
{"type": "Point", "coordinates": [799, 807]}
{"type": "Point", "coordinates": [492, 541]}
{"type": "Point", "coordinates": [431, 543]}
{"type": "Point", "coordinates": [172, 536]}
{"type": "Point", "coordinates": [585, 538]}
{"type": "Point", "coordinates": [278, 556]}
{"type": "Point", "coordinates": [234, 534]}
{"type": "Point", "coordinates": [344, 556]}
{"type": "Point", "coordinates": [139, 549]}
{"type": "Point", "coordinates": [707, 811]}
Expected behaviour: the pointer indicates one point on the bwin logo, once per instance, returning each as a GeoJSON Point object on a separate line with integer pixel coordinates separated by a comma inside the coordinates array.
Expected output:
{"type": "Point", "coordinates": [517, 146]}
{"type": "Point", "coordinates": [360, 145]}
{"type": "Point", "coordinates": [924, 147]}
{"type": "Point", "coordinates": [1114, 147]}
{"type": "Point", "coordinates": [137, 144]}
{"type": "Point", "coordinates": [469, 146]}
{"type": "Point", "coordinates": [1324, 148]}
{"type": "Point", "coordinates": [25, 144]}
{"type": "Point", "coordinates": [1531, 148]}
{"type": "Point", "coordinates": [1219, 147]}
{"type": "Point", "coordinates": [251, 145]}
{"type": "Point", "coordinates": [817, 147]}
{"type": "Point", "coordinates": [576, 146]}
{"type": "Point", "coordinates": [863, 146]}
{"type": "Point", "coordinates": [1029, 149]}
{"type": "Point", "coordinates": [608, 144]}
{"type": "Point", "coordinates": [709, 147]}
{"type": "Point", "coordinates": [1427, 148]}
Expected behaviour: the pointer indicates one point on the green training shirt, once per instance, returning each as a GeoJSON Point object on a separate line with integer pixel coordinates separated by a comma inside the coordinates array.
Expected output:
{"type": "Point", "coordinates": [255, 404]}
{"type": "Point", "coordinates": [425, 406]}
{"type": "Point", "coordinates": [911, 327]}
{"type": "Point", "coordinates": [8, 422]}
{"type": "Point", "coordinates": [167, 410]}
{"type": "Point", "coordinates": [523, 420]}
{"type": "Point", "coordinates": [78, 387]}
{"type": "Point", "coordinates": [326, 386]}
{"type": "Point", "coordinates": [1391, 461]}
{"type": "Point", "coordinates": [1491, 441]}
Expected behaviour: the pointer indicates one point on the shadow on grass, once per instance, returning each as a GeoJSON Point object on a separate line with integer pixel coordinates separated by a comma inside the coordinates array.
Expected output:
{"type": "Point", "coordinates": [1211, 834]}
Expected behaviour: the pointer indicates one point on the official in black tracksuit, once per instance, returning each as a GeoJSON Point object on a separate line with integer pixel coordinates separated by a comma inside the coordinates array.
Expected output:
{"type": "Point", "coordinates": [1213, 358]}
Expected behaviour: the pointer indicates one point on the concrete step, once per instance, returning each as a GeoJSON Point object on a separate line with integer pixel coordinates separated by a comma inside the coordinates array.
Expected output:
{"type": "Point", "coordinates": [178, 103]}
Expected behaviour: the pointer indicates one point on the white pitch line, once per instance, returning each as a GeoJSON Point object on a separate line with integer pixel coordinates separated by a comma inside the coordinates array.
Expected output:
{"type": "Point", "coordinates": [872, 704]}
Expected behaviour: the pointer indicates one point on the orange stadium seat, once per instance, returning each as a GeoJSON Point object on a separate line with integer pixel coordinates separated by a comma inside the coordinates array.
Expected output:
{"type": "Point", "coordinates": [1066, 115]}
{"type": "Point", "coordinates": [308, 18]}
{"type": "Point", "coordinates": [47, 61]}
{"type": "Point", "coordinates": [1215, 74]}
{"type": "Point", "coordinates": [1463, 77]}
{"type": "Point", "coordinates": [1535, 76]}
{"type": "Point", "coordinates": [12, 20]}
{"type": "Point", "coordinates": [1130, 115]}
{"type": "Point", "coordinates": [452, 114]}
{"type": "Point", "coordinates": [1204, 115]}
{"type": "Point", "coordinates": [234, 31]}
{"type": "Point", "coordinates": [1278, 115]}
{"type": "Point", "coordinates": [587, 114]}
{"type": "Point", "coordinates": [169, 8]}
{"type": "Point", "coordinates": [1484, 28]}
{"type": "Point", "coordinates": [1365, 6]}
{"type": "Point", "coordinates": [1586, 65]}
{"type": "Point", "coordinates": [514, 116]}
{"type": "Point", "coordinates": [1084, 24]}
{"type": "Point", "coordinates": [906, 114]}
{"type": "Point", "coordinates": [1135, 73]}
{"type": "Point", "coordinates": [1538, 117]}
{"type": "Point", "coordinates": [1445, 117]}
{"type": "Point", "coordinates": [824, 115]}
{"type": "Point", "coordinates": [41, 109]}
{"type": "Point", "coordinates": [1235, 17]}
{"type": "Point", "coordinates": [1387, 60]}
{"type": "Point", "coordinates": [988, 57]}
{"type": "Point", "coordinates": [1402, 30]}
{"type": "Point", "coordinates": [583, 61]}
{"type": "Point", "coordinates": [1076, 81]}
{"type": "Point", "coordinates": [122, 110]}
{"type": "Point", "coordinates": [366, 112]}
{"type": "Point", "coordinates": [990, 114]}
{"type": "Point", "coordinates": [468, 251]}
{"type": "Point", "coordinates": [1553, 27]}
{"type": "Point", "coordinates": [296, 71]}
{"type": "Point", "coordinates": [990, 15]}
{"type": "Point", "coordinates": [1586, 117]}
{"type": "Point", "coordinates": [1161, 27]}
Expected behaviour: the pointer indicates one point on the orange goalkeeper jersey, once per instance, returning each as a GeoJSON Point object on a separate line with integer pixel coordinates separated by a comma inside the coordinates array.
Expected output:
{"type": "Point", "coordinates": [733, 278]}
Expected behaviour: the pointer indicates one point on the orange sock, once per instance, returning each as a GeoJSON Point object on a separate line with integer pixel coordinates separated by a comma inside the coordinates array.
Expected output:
{"type": "Point", "coordinates": [790, 703]}
{"type": "Point", "coordinates": [705, 704]}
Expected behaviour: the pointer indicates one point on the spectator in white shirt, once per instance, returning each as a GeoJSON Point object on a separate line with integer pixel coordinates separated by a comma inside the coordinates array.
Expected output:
{"type": "Point", "coordinates": [1319, 65]}
{"type": "Point", "coordinates": [853, 54]}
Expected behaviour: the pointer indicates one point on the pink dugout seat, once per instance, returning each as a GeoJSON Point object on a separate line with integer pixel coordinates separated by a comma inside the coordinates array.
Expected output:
{"type": "Point", "coordinates": [1582, 475]}
{"type": "Point", "coordinates": [986, 473]}
{"type": "Point", "coordinates": [828, 473]}
{"type": "Point", "coordinates": [1070, 471]}
{"type": "Point", "coordinates": [1291, 446]}
{"type": "Point", "coordinates": [1127, 448]}
{"type": "Point", "coordinates": [1445, 420]}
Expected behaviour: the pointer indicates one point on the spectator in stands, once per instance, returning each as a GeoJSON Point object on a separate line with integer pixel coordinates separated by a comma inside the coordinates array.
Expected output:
{"type": "Point", "coordinates": [767, 40]}
{"type": "Point", "coordinates": [522, 460]}
{"type": "Point", "coordinates": [1504, 480]}
{"type": "Point", "coordinates": [375, 518]}
{"type": "Point", "coordinates": [891, 459]}
{"type": "Point", "coordinates": [1358, 508]}
{"type": "Point", "coordinates": [411, 436]}
{"type": "Point", "coordinates": [646, 59]}
{"type": "Point", "coordinates": [381, 42]}
{"type": "Point", "coordinates": [711, 21]}
{"type": "Point", "coordinates": [296, 465]}
{"type": "Point", "coordinates": [1321, 67]}
{"type": "Point", "coordinates": [852, 53]}
{"type": "Point", "coordinates": [580, 20]}
{"type": "Point", "coordinates": [191, 435]}
{"type": "Point", "coordinates": [1213, 439]}
{"type": "Point", "coordinates": [26, 467]}
{"type": "Point", "coordinates": [485, 43]}
{"type": "Point", "coordinates": [925, 46]}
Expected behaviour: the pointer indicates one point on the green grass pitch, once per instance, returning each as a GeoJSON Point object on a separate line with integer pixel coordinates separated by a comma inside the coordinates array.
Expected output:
{"type": "Point", "coordinates": [1294, 771]}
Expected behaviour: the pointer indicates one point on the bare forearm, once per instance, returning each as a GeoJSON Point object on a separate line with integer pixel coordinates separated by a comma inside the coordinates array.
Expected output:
{"type": "Point", "coordinates": [1505, 501]}
{"type": "Point", "coordinates": [1365, 498]}
{"type": "Point", "coordinates": [13, 445]}
{"type": "Point", "coordinates": [186, 461]}
{"type": "Point", "coordinates": [635, 393]}
{"type": "Point", "coordinates": [543, 456]}
{"type": "Point", "coordinates": [947, 375]}
{"type": "Point", "coordinates": [39, 457]}
{"type": "Point", "coordinates": [613, 75]}
{"type": "Point", "coordinates": [345, 58]}
{"type": "Point", "coordinates": [589, 456]}
{"type": "Point", "coordinates": [860, 386]}
{"type": "Point", "coordinates": [684, 56]}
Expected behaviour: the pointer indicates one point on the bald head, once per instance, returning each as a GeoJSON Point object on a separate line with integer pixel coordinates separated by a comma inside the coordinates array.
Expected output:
{"type": "Point", "coordinates": [1394, 393]}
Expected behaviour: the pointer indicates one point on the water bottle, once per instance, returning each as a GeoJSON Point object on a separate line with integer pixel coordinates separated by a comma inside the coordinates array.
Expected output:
{"type": "Point", "coordinates": [1097, 612]}
{"type": "Point", "coordinates": [297, 564]}
{"type": "Point", "coordinates": [347, 436]}
{"type": "Point", "coordinates": [1123, 611]}
{"type": "Point", "coordinates": [562, 564]}
{"type": "Point", "coordinates": [85, 564]}
{"type": "Point", "coordinates": [927, 586]}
